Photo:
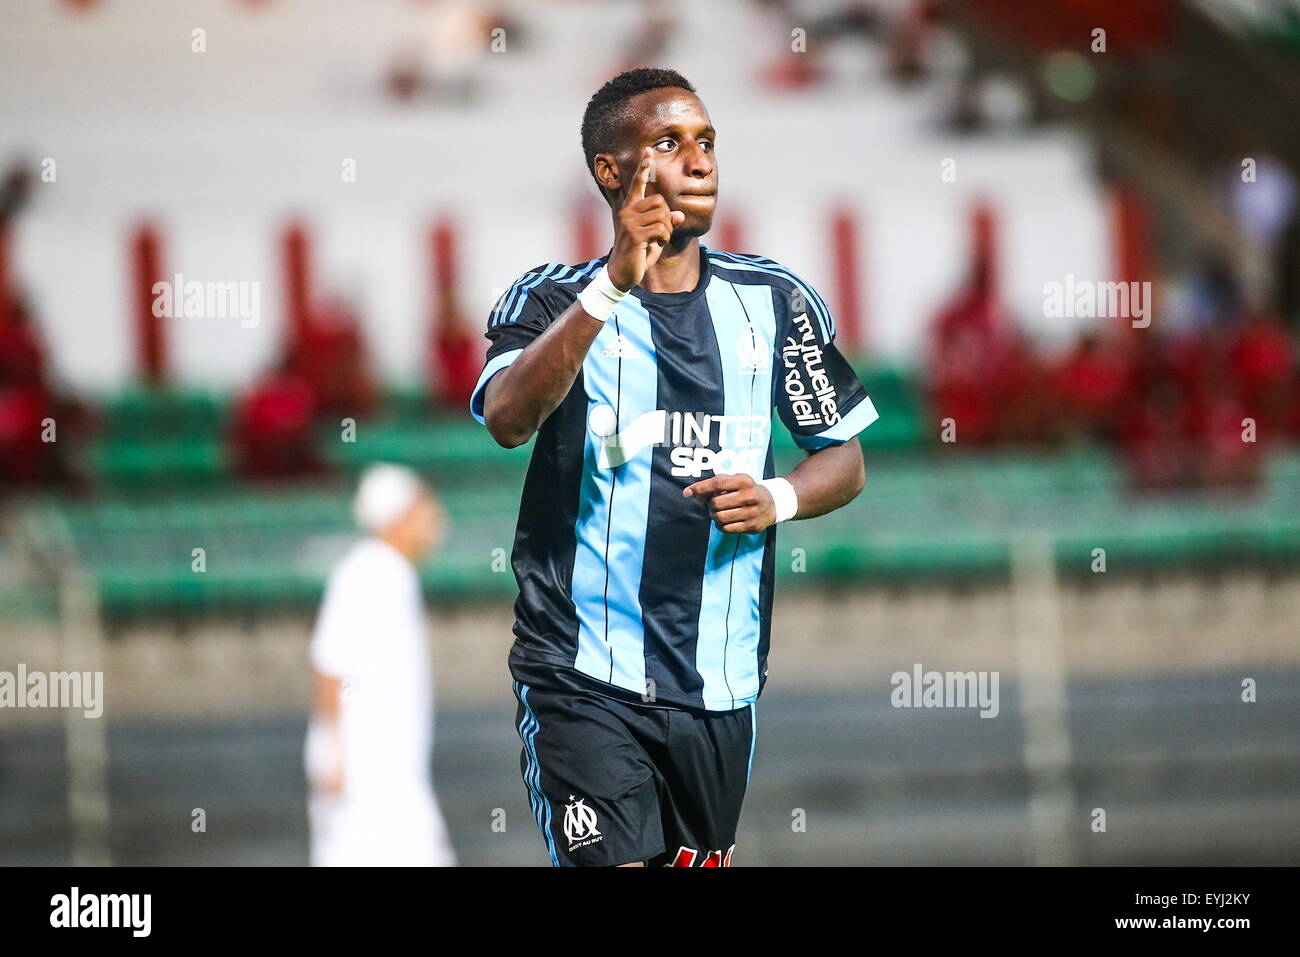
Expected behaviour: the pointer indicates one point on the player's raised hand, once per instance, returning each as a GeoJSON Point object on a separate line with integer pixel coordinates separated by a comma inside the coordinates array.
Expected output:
{"type": "Point", "coordinates": [642, 228]}
{"type": "Point", "coordinates": [737, 503]}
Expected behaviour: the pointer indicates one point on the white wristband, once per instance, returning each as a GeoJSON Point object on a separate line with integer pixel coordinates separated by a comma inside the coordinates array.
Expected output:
{"type": "Point", "coordinates": [787, 503]}
{"type": "Point", "coordinates": [601, 295]}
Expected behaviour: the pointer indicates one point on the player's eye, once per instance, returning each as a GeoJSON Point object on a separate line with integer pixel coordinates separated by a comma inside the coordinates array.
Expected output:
{"type": "Point", "coordinates": [707, 145]}
{"type": "Point", "coordinates": [666, 141]}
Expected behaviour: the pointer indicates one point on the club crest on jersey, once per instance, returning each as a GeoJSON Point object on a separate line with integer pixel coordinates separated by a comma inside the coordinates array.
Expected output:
{"type": "Point", "coordinates": [740, 440]}
{"type": "Point", "coordinates": [754, 351]}
{"type": "Point", "coordinates": [580, 824]}
{"type": "Point", "coordinates": [621, 349]}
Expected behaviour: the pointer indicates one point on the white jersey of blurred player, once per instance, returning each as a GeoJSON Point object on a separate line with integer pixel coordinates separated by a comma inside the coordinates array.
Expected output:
{"type": "Point", "coordinates": [372, 801]}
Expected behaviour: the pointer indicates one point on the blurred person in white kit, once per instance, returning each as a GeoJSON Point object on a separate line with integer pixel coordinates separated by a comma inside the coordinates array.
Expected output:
{"type": "Point", "coordinates": [370, 738]}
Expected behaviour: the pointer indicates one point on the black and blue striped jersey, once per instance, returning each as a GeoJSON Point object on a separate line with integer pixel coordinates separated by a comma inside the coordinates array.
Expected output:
{"type": "Point", "coordinates": [625, 585]}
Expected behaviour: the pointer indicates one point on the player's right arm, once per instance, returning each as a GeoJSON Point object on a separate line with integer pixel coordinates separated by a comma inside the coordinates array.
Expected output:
{"type": "Point", "coordinates": [520, 396]}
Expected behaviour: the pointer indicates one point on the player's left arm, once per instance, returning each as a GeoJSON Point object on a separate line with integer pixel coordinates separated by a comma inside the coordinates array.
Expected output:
{"type": "Point", "coordinates": [827, 479]}
{"type": "Point", "coordinates": [823, 405]}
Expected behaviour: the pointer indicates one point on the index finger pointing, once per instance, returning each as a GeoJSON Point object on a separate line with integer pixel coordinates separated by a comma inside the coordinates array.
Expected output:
{"type": "Point", "coordinates": [702, 487]}
{"type": "Point", "coordinates": [641, 177]}
{"type": "Point", "coordinates": [722, 482]}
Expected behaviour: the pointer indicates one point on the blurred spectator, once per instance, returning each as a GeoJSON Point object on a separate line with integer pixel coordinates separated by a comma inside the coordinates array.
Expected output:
{"type": "Point", "coordinates": [273, 432]}
{"type": "Point", "coordinates": [853, 18]}
{"type": "Point", "coordinates": [15, 190]}
{"type": "Point", "coordinates": [659, 23]}
{"type": "Point", "coordinates": [1189, 355]}
{"type": "Point", "coordinates": [1262, 362]}
{"type": "Point", "coordinates": [28, 406]}
{"type": "Point", "coordinates": [443, 58]}
{"type": "Point", "coordinates": [1024, 404]}
{"type": "Point", "coordinates": [325, 372]}
{"type": "Point", "coordinates": [1291, 423]}
{"type": "Point", "coordinates": [966, 111]}
{"type": "Point", "coordinates": [370, 739]}
{"type": "Point", "coordinates": [1266, 207]}
{"type": "Point", "coordinates": [330, 355]}
{"type": "Point", "coordinates": [1092, 382]}
{"type": "Point", "coordinates": [1155, 435]}
{"type": "Point", "coordinates": [1224, 453]}
{"type": "Point", "coordinates": [1196, 403]}
{"type": "Point", "coordinates": [966, 343]}
{"type": "Point", "coordinates": [24, 457]}
{"type": "Point", "coordinates": [22, 357]}
{"type": "Point", "coordinates": [456, 356]}
{"type": "Point", "coordinates": [36, 428]}
{"type": "Point", "coordinates": [1263, 205]}
{"type": "Point", "coordinates": [909, 37]}
{"type": "Point", "coordinates": [15, 193]}
{"type": "Point", "coordinates": [786, 68]}
{"type": "Point", "coordinates": [979, 104]}
{"type": "Point", "coordinates": [1212, 296]}
{"type": "Point", "coordinates": [1287, 271]}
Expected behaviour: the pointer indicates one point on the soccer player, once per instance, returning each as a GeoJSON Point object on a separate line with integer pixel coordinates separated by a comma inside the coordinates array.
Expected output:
{"type": "Point", "coordinates": [368, 744]}
{"type": "Point", "coordinates": [646, 541]}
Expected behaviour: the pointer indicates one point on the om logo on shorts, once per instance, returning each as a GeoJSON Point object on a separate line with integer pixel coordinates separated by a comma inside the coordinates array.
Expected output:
{"type": "Point", "coordinates": [580, 824]}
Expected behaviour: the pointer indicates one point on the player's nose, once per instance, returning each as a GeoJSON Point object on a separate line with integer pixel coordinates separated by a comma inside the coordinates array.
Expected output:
{"type": "Point", "coordinates": [699, 164]}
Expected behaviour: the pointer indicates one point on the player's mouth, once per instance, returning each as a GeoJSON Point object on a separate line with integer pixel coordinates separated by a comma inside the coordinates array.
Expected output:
{"type": "Point", "coordinates": [697, 197]}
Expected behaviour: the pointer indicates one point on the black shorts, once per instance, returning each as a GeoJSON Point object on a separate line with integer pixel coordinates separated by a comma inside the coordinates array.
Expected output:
{"type": "Point", "coordinates": [613, 783]}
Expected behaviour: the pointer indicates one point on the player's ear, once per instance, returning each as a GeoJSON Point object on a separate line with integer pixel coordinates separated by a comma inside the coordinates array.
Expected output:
{"type": "Point", "coordinates": [605, 166]}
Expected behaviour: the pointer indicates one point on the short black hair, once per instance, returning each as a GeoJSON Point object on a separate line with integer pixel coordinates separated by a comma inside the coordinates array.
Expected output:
{"type": "Point", "coordinates": [605, 110]}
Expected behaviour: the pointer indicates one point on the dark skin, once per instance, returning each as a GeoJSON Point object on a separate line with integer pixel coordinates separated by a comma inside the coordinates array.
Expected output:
{"type": "Point", "coordinates": [662, 188]}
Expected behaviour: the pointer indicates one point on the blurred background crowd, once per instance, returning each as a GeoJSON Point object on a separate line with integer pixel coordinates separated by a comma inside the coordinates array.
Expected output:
{"type": "Point", "coordinates": [1190, 193]}
{"type": "Point", "coordinates": [379, 172]}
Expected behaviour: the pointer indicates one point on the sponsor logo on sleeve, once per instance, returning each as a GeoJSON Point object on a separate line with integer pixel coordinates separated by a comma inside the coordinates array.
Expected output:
{"type": "Point", "coordinates": [811, 395]}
